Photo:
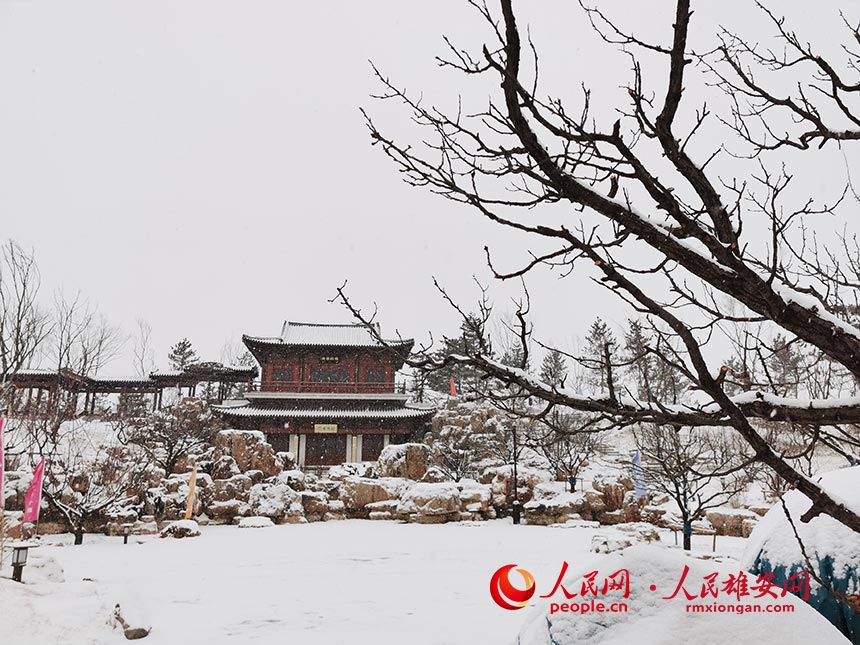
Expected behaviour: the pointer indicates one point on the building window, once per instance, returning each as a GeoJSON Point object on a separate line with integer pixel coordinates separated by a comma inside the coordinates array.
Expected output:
{"type": "Point", "coordinates": [282, 374]}
{"type": "Point", "coordinates": [329, 376]}
{"type": "Point", "coordinates": [376, 376]}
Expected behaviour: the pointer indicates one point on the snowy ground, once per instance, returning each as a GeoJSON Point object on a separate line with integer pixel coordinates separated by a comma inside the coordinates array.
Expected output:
{"type": "Point", "coordinates": [353, 581]}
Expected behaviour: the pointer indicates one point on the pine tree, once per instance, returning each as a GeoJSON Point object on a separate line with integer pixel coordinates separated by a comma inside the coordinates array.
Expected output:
{"type": "Point", "coordinates": [784, 366]}
{"type": "Point", "coordinates": [600, 342]}
{"type": "Point", "coordinates": [182, 355]}
{"type": "Point", "coordinates": [553, 369]}
{"type": "Point", "coordinates": [471, 341]}
{"type": "Point", "coordinates": [513, 357]}
{"type": "Point", "coordinates": [640, 361]}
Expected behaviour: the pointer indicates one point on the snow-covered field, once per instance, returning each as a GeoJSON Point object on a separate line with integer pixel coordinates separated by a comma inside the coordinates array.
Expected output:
{"type": "Point", "coordinates": [353, 581]}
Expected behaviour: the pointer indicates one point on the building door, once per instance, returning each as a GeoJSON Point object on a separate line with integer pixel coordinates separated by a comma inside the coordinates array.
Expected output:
{"type": "Point", "coordinates": [371, 446]}
{"type": "Point", "coordinates": [325, 449]}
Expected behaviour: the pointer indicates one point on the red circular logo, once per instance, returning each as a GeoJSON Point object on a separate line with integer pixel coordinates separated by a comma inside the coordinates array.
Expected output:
{"type": "Point", "coordinates": [505, 594]}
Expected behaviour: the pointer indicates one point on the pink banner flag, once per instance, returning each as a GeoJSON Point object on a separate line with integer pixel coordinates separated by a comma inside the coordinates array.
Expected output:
{"type": "Point", "coordinates": [2, 468]}
{"type": "Point", "coordinates": [34, 495]}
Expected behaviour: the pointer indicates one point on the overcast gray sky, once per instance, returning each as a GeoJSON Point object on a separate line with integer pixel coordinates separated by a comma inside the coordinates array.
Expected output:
{"type": "Point", "coordinates": [203, 164]}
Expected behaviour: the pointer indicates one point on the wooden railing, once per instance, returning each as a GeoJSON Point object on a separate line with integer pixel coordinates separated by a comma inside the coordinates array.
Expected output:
{"type": "Point", "coordinates": [350, 387]}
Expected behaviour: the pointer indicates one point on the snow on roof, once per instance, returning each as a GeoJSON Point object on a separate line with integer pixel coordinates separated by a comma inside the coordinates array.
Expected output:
{"type": "Point", "coordinates": [251, 411]}
{"type": "Point", "coordinates": [98, 380]}
{"type": "Point", "coordinates": [325, 334]}
{"type": "Point", "coordinates": [33, 372]}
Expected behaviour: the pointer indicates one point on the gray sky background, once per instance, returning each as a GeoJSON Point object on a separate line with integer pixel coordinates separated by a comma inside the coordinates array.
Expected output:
{"type": "Point", "coordinates": [203, 164]}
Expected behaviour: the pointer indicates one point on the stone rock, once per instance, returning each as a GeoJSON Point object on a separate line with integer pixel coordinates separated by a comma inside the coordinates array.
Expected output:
{"type": "Point", "coordinates": [133, 630]}
{"type": "Point", "coordinates": [288, 460]}
{"type": "Point", "coordinates": [224, 467]}
{"type": "Point", "coordinates": [256, 476]}
{"type": "Point", "coordinates": [236, 487]}
{"type": "Point", "coordinates": [614, 490]}
{"type": "Point", "coordinates": [617, 516]}
{"type": "Point", "coordinates": [556, 509]}
{"type": "Point", "coordinates": [276, 501]}
{"type": "Point", "coordinates": [434, 476]}
{"type": "Point", "coordinates": [594, 502]}
{"type": "Point", "coordinates": [314, 503]}
{"type": "Point", "coordinates": [351, 469]}
{"type": "Point", "coordinates": [358, 492]}
{"type": "Point", "coordinates": [255, 523]}
{"type": "Point", "coordinates": [407, 460]}
{"type": "Point", "coordinates": [385, 510]}
{"type": "Point", "coordinates": [148, 527]}
{"type": "Point", "coordinates": [249, 449]}
{"type": "Point", "coordinates": [125, 515]}
{"type": "Point", "coordinates": [728, 521]}
{"type": "Point", "coordinates": [295, 479]}
{"type": "Point", "coordinates": [431, 503]}
{"type": "Point", "coordinates": [760, 509]}
{"type": "Point", "coordinates": [181, 529]}
{"type": "Point", "coordinates": [154, 476]}
{"type": "Point", "coordinates": [501, 480]}
{"type": "Point", "coordinates": [606, 544]}
{"type": "Point", "coordinates": [225, 512]}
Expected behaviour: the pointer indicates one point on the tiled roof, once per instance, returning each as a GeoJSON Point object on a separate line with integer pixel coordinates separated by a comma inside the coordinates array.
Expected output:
{"type": "Point", "coordinates": [329, 335]}
{"type": "Point", "coordinates": [131, 380]}
{"type": "Point", "coordinates": [251, 411]}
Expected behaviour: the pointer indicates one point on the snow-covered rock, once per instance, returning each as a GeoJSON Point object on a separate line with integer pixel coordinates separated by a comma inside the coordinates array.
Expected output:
{"type": "Point", "coordinates": [181, 529]}
{"type": "Point", "coordinates": [255, 522]}
{"type": "Point", "coordinates": [357, 492]}
{"type": "Point", "coordinates": [236, 487]}
{"type": "Point", "coordinates": [225, 467]}
{"type": "Point", "coordinates": [730, 521]}
{"type": "Point", "coordinates": [407, 460]}
{"type": "Point", "coordinates": [133, 623]}
{"type": "Point", "coordinates": [555, 509]}
{"type": "Point", "coordinates": [249, 450]}
{"type": "Point", "coordinates": [276, 501]}
{"type": "Point", "coordinates": [431, 503]}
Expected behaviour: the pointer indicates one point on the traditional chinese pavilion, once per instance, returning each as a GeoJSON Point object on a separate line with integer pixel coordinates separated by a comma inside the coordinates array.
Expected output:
{"type": "Point", "coordinates": [328, 394]}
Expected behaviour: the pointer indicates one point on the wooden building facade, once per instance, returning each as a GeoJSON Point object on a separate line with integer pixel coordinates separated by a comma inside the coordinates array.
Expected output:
{"type": "Point", "coordinates": [328, 394]}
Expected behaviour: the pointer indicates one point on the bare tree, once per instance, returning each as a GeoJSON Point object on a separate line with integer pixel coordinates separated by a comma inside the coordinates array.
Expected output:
{"type": "Point", "coordinates": [168, 435]}
{"type": "Point", "coordinates": [698, 468]}
{"type": "Point", "coordinates": [144, 356]}
{"type": "Point", "coordinates": [24, 325]}
{"type": "Point", "coordinates": [83, 341]}
{"type": "Point", "coordinates": [86, 480]}
{"type": "Point", "coordinates": [651, 214]}
{"type": "Point", "coordinates": [566, 441]}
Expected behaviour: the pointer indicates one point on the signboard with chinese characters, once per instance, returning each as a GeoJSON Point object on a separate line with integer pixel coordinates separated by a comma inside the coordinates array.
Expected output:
{"type": "Point", "coordinates": [325, 428]}
{"type": "Point", "coordinates": [329, 359]}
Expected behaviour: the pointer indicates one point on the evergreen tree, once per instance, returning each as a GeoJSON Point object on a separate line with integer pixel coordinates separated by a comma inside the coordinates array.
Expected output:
{"type": "Point", "coordinates": [599, 343]}
{"type": "Point", "coordinates": [784, 366]}
{"type": "Point", "coordinates": [513, 357]}
{"type": "Point", "coordinates": [182, 355]}
{"type": "Point", "coordinates": [640, 362]}
{"type": "Point", "coordinates": [553, 369]}
{"type": "Point", "coordinates": [472, 340]}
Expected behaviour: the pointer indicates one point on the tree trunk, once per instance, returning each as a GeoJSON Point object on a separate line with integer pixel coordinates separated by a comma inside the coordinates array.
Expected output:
{"type": "Point", "coordinates": [688, 535]}
{"type": "Point", "coordinates": [79, 534]}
